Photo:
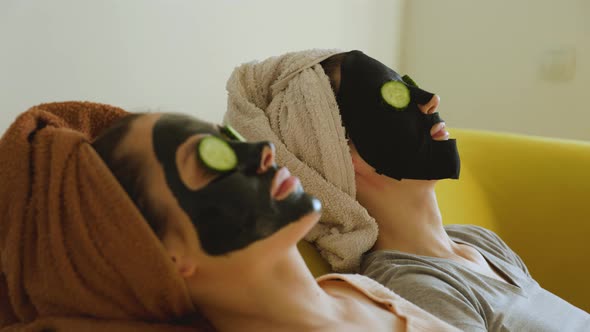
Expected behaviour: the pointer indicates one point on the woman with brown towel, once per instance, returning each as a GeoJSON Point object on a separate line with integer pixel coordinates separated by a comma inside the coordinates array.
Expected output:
{"type": "Point", "coordinates": [192, 218]}
{"type": "Point", "coordinates": [230, 219]}
{"type": "Point", "coordinates": [369, 142]}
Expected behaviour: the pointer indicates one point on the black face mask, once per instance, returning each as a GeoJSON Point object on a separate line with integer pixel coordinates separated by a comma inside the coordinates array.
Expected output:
{"type": "Point", "coordinates": [397, 143]}
{"type": "Point", "coordinates": [236, 209]}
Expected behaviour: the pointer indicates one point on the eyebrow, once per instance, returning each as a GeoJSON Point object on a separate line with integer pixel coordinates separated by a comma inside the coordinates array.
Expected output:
{"type": "Point", "coordinates": [222, 131]}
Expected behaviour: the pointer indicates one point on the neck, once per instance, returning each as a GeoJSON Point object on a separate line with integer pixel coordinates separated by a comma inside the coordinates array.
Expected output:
{"type": "Point", "coordinates": [278, 295]}
{"type": "Point", "coordinates": [407, 213]}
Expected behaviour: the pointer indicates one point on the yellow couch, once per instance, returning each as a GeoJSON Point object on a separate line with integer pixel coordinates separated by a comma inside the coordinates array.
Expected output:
{"type": "Point", "coordinates": [534, 192]}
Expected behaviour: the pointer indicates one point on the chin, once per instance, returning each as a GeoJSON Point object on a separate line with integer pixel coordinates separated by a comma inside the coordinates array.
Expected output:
{"type": "Point", "coordinates": [310, 211]}
{"type": "Point", "coordinates": [297, 231]}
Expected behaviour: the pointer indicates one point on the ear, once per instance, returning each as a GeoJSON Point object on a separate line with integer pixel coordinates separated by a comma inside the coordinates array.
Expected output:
{"type": "Point", "coordinates": [185, 265]}
{"type": "Point", "coordinates": [181, 252]}
{"type": "Point", "coordinates": [356, 158]}
{"type": "Point", "coordinates": [360, 166]}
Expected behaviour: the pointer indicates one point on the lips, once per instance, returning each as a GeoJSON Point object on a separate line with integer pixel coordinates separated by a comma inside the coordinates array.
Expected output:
{"type": "Point", "coordinates": [439, 132]}
{"type": "Point", "coordinates": [283, 184]}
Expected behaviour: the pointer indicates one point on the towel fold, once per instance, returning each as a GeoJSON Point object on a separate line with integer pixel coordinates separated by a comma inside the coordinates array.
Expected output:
{"type": "Point", "coordinates": [288, 100]}
{"type": "Point", "coordinates": [75, 253]}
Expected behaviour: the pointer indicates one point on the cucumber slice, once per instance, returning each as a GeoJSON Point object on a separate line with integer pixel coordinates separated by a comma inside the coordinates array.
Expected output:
{"type": "Point", "coordinates": [232, 133]}
{"type": "Point", "coordinates": [217, 154]}
{"type": "Point", "coordinates": [409, 80]}
{"type": "Point", "coordinates": [396, 94]}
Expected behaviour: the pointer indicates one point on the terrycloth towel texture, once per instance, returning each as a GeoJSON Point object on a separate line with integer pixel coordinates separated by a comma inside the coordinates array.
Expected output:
{"type": "Point", "coordinates": [76, 255]}
{"type": "Point", "coordinates": [289, 101]}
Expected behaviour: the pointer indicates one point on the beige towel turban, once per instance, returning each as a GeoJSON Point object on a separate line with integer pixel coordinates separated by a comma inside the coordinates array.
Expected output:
{"type": "Point", "coordinates": [289, 101]}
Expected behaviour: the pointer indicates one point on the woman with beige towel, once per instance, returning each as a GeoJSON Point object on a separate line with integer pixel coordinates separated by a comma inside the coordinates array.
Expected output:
{"type": "Point", "coordinates": [371, 146]}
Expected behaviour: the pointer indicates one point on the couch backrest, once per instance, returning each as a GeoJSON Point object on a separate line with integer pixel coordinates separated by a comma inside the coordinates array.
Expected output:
{"type": "Point", "coordinates": [464, 201]}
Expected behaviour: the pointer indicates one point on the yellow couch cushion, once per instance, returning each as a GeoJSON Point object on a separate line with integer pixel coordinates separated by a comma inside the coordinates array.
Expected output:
{"type": "Point", "coordinates": [537, 191]}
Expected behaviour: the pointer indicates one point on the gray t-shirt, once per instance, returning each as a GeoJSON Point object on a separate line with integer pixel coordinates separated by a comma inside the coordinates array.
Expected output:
{"type": "Point", "coordinates": [472, 301]}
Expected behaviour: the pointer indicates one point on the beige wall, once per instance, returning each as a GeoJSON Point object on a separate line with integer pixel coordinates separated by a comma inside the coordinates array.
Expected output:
{"type": "Point", "coordinates": [504, 65]}
{"type": "Point", "coordinates": [169, 55]}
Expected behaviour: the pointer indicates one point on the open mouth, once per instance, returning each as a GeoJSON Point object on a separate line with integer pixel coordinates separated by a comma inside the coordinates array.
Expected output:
{"type": "Point", "coordinates": [439, 132]}
{"type": "Point", "coordinates": [283, 184]}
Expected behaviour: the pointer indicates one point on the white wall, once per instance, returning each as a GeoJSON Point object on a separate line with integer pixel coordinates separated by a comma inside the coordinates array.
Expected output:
{"type": "Point", "coordinates": [169, 55]}
{"type": "Point", "coordinates": [487, 60]}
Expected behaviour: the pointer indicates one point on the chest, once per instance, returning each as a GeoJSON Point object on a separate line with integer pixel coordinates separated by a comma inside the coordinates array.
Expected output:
{"type": "Point", "coordinates": [362, 313]}
{"type": "Point", "coordinates": [535, 309]}
{"type": "Point", "coordinates": [365, 316]}
{"type": "Point", "coordinates": [476, 262]}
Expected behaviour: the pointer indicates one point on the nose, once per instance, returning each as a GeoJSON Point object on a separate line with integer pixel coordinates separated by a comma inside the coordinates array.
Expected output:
{"type": "Point", "coordinates": [267, 158]}
{"type": "Point", "coordinates": [431, 106]}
